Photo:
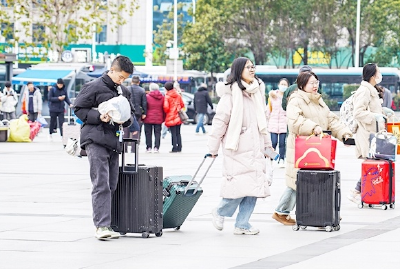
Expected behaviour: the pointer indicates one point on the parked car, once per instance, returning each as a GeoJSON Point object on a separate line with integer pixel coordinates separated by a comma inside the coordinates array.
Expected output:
{"type": "Point", "coordinates": [188, 99]}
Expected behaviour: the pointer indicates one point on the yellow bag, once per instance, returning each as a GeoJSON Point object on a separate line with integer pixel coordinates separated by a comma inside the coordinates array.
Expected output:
{"type": "Point", "coordinates": [19, 130]}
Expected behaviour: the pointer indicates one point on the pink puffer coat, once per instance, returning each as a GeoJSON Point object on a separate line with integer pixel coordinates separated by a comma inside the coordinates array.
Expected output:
{"type": "Point", "coordinates": [277, 117]}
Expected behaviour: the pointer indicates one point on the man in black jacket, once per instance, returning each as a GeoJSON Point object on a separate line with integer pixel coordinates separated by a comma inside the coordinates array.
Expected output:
{"type": "Point", "coordinates": [201, 100]}
{"type": "Point", "coordinates": [100, 139]}
{"type": "Point", "coordinates": [139, 101]}
{"type": "Point", "coordinates": [57, 96]}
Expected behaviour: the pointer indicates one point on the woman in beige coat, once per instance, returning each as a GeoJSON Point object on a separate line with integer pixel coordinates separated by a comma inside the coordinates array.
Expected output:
{"type": "Point", "coordinates": [240, 126]}
{"type": "Point", "coordinates": [367, 111]}
{"type": "Point", "coordinates": [307, 114]}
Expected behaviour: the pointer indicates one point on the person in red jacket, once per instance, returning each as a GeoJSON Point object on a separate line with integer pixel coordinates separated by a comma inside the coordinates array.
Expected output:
{"type": "Point", "coordinates": [172, 104]}
{"type": "Point", "coordinates": [155, 117]}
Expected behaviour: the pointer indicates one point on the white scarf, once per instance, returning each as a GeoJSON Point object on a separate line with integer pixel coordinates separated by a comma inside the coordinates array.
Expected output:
{"type": "Point", "coordinates": [236, 121]}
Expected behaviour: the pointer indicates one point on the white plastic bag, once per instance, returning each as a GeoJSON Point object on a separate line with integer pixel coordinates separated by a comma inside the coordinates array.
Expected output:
{"type": "Point", "coordinates": [270, 171]}
{"type": "Point", "coordinates": [72, 146]}
{"type": "Point", "coordinates": [118, 108]}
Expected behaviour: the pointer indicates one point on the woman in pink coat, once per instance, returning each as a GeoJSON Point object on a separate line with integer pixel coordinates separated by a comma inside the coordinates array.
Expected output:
{"type": "Point", "coordinates": [239, 127]}
{"type": "Point", "coordinates": [277, 125]}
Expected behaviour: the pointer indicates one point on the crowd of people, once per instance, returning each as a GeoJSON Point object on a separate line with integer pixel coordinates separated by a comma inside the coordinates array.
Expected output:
{"type": "Point", "coordinates": [246, 126]}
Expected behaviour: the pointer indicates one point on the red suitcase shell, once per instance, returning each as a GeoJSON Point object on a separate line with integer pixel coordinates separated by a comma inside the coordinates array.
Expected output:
{"type": "Point", "coordinates": [378, 183]}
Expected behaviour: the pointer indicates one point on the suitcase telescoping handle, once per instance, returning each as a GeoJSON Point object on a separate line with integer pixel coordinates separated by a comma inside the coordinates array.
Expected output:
{"type": "Point", "coordinates": [129, 168]}
{"type": "Point", "coordinates": [377, 124]}
{"type": "Point", "coordinates": [205, 174]}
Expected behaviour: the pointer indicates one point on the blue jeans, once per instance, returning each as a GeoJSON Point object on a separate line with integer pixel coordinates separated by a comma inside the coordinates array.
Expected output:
{"type": "Point", "coordinates": [287, 202]}
{"type": "Point", "coordinates": [282, 144]}
{"type": "Point", "coordinates": [200, 123]}
{"type": "Point", "coordinates": [227, 208]}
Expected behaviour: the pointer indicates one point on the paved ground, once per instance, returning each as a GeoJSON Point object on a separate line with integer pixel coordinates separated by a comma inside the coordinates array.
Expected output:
{"type": "Point", "coordinates": [45, 219]}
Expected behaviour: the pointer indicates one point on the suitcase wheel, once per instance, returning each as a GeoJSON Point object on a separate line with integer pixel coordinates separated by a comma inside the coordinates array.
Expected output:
{"type": "Point", "coordinates": [159, 234]}
{"type": "Point", "coordinates": [360, 205]}
{"type": "Point", "coordinates": [336, 228]}
{"type": "Point", "coordinates": [384, 207]}
{"type": "Point", "coordinates": [328, 229]}
{"type": "Point", "coordinates": [370, 206]}
{"type": "Point", "coordinates": [391, 206]}
{"type": "Point", "coordinates": [303, 227]}
{"type": "Point", "coordinates": [178, 228]}
{"type": "Point", "coordinates": [145, 235]}
{"type": "Point", "coordinates": [295, 227]}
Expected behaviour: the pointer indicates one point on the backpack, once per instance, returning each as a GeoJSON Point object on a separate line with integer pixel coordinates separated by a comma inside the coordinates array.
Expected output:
{"type": "Point", "coordinates": [346, 114]}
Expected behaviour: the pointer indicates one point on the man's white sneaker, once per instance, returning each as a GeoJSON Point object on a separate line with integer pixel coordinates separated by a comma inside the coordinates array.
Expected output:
{"type": "Point", "coordinates": [241, 231]}
{"type": "Point", "coordinates": [217, 220]}
{"type": "Point", "coordinates": [102, 233]}
{"type": "Point", "coordinates": [354, 196]}
{"type": "Point", "coordinates": [114, 235]}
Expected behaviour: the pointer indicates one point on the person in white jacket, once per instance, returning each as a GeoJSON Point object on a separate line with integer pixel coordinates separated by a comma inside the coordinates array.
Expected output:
{"type": "Point", "coordinates": [8, 100]}
{"type": "Point", "coordinates": [240, 128]}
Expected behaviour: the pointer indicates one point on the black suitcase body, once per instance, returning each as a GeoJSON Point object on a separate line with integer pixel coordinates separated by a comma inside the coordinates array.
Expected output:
{"type": "Point", "coordinates": [137, 203]}
{"type": "Point", "coordinates": [318, 199]}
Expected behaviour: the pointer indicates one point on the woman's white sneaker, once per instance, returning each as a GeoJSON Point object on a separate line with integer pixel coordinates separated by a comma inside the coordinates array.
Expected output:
{"type": "Point", "coordinates": [241, 231]}
{"type": "Point", "coordinates": [217, 220]}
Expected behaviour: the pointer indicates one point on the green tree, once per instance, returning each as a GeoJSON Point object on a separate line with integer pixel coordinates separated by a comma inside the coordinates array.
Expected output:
{"type": "Point", "coordinates": [63, 21]}
{"type": "Point", "coordinates": [164, 33]}
{"type": "Point", "coordinates": [204, 48]}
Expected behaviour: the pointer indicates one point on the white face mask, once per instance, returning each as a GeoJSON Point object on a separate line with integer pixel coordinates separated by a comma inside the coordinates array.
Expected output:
{"type": "Point", "coordinates": [378, 79]}
{"type": "Point", "coordinates": [282, 88]}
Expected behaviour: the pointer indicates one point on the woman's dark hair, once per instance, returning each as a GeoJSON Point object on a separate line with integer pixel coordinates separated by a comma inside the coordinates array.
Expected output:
{"type": "Point", "coordinates": [380, 90]}
{"type": "Point", "coordinates": [285, 79]}
{"type": "Point", "coordinates": [303, 77]}
{"type": "Point", "coordinates": [369, 71]}
{"type": "Point", "coordinates": [236, 72]}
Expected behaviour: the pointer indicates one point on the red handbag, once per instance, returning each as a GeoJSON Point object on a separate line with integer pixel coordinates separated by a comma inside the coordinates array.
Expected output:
{"type": "Point", "coordinates": [315, 152]}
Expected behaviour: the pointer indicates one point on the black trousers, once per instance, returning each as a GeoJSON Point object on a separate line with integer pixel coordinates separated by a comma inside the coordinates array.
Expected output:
{"type": "Point", "coordinates": [148, 131]}
{"type": "Point", "coordinates": [104, 175]}
{"type": "Point", "coordinates": [53, 121]}
{"type": "Point", "coordinates": [176, 138]}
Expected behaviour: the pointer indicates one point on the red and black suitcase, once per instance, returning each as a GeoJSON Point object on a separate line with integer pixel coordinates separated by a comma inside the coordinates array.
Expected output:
{"type": "Point", "coordinates": [318, 199]}
{"type": "Point", "coordinates": [137, 203]}
{"type": "Point", "coordinates": [378, 183]}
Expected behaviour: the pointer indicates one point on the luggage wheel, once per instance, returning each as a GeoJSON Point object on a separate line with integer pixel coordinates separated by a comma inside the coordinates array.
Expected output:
{"type": "Point", "coordinates": [159, 234]}
{"type": "Point", "coordinates": [360, 205]}
{"type": "Point", "coordinates": [145, 235]}
{"type": "Point", "coordinates": [295, 227]}
{"type": "Point", "coordinates": [178, 228]}
{"type": "Point", "coordinates": [303, 227]}
{"type": "Point", "coordinates": [384, 207]}
{"type": "Point", "coordinates": [391, 206]}
{"type": "Point", "coordinates": [328, 228]}
{"type": "Point", "coordinates": [336, 228]}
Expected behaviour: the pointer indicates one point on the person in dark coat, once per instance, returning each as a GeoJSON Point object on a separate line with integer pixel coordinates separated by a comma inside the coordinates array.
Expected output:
{"type": "Point", "coordinates": [155, 117]}
{"type": "Point", "coordinates": [139, 101]}
{"type": "Point", "coordinates": [101, 139]}
{"type": "Point", "coordinates": [201, 100]}
{"type": "Point", "coordinates": [57, 96]}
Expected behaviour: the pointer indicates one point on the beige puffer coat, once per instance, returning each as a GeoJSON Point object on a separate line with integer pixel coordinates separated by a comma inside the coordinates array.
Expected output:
{"type": "Point", "coordinates": [366, 104]}
{"type": "Point", "coordinates": [305, 111]}
{"type": "Point", "coordinates": [244, 170]}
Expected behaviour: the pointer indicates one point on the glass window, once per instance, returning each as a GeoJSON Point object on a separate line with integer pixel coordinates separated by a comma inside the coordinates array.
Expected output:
{"type": "Point", "coordinates": [7, 30]}
{"type": "Point", "coordinates": [37, 33]}
{"type": "Point", "coordinates": [102, 36]}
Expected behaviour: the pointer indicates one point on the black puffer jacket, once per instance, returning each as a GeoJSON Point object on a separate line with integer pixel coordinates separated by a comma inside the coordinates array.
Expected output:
{"type": "Point", "coordinates": [93, 129]}
{"type": "Point", "coordinates": [139, 100]}
{"type": "Point", "coordinates": [55, 104]}
{"type": "Point", "coordinates": [201, 99]}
